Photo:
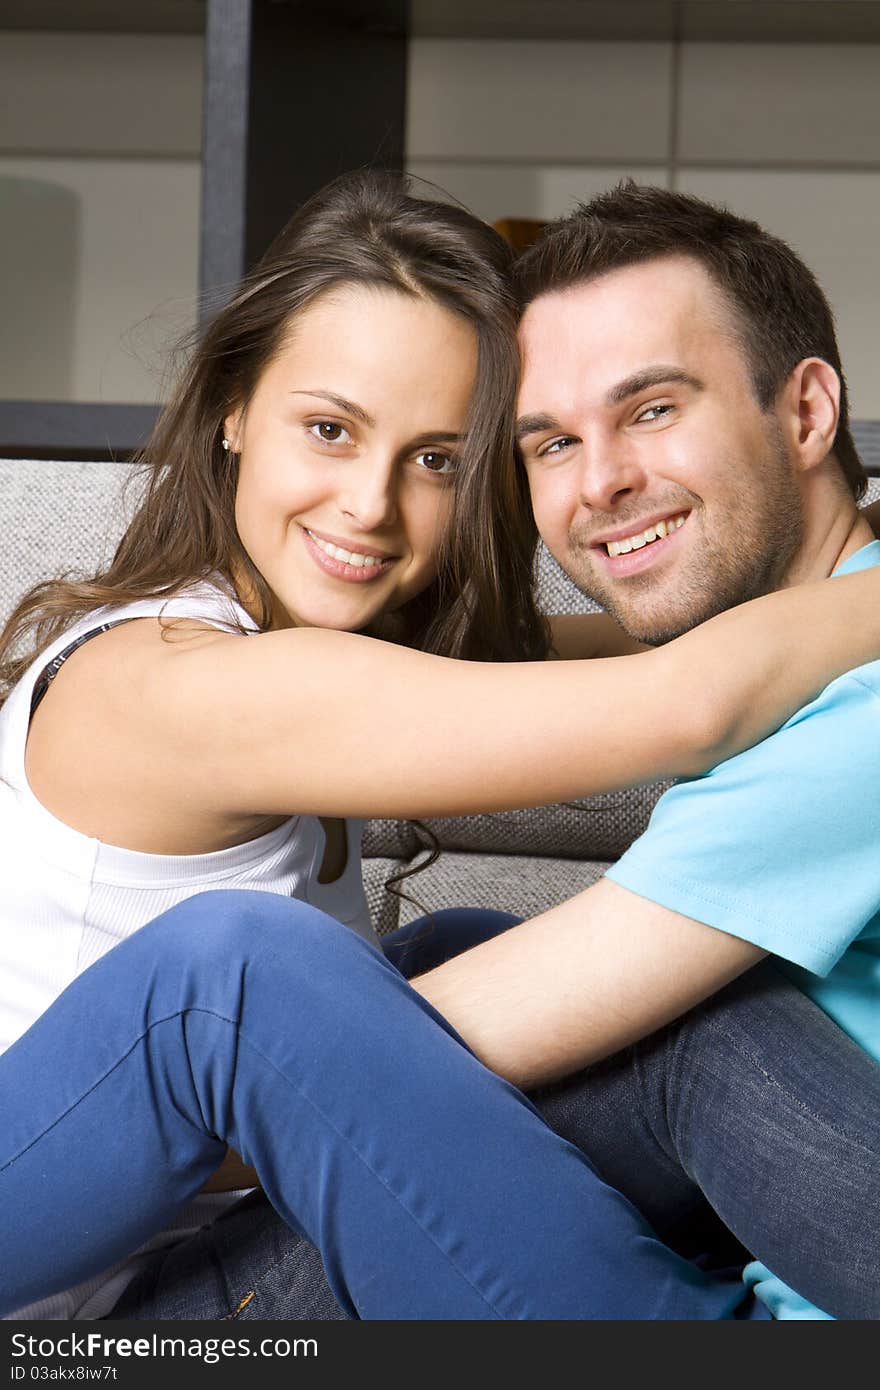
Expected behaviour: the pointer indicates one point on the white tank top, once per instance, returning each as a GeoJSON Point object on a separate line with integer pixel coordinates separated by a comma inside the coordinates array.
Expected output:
{"type": "Point", "coordinates": [66, 898]}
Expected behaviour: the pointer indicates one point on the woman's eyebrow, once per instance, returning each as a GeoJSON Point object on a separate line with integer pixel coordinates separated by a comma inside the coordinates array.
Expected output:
{"type": "Point", "coordinates": [435, 437]}
{"type": "Point", "coordinates": [357, 412]}
{"type": "Point", "coordinates": [648, 377]}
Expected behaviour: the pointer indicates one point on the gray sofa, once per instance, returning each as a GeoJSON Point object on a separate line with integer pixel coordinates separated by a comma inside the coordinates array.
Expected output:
{"type": "Point", "coordinates": [67, 516]}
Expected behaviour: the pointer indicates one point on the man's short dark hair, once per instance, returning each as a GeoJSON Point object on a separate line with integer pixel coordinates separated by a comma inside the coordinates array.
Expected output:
{"type": "Point", "coordinates": [780, 312]}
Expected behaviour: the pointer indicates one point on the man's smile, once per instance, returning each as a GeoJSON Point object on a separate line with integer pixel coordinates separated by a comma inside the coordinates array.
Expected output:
{"type": "Point", "coordinates": [638, 546]}
{"type": "Point", "coordinates": [634, 540]}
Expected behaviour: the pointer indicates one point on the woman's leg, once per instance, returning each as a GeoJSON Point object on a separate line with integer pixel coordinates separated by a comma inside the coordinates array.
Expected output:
{"type": "Point", "coordinates": [430, 1186]}
{"type": "Point", "coordinates": [248, 1264]}
{"type": "Point", "coordinates": [759, 1101]}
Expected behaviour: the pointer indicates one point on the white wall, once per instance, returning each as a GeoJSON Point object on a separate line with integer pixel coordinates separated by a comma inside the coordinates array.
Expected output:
{"type": "Point", "coordinates": [786, 133]}
{"type": "Point", "coordinates": [109, 127]}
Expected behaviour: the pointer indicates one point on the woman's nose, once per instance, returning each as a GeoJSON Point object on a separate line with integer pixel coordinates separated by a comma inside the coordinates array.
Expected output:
{"type": "Point", "coordinates": [369, 494]}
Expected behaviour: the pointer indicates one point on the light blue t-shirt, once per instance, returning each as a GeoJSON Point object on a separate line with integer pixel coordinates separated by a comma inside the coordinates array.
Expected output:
{"type": "Point", "coordinates": [781, 846]}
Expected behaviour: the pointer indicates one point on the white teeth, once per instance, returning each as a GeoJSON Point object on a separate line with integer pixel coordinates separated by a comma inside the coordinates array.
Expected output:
{"type": "Point", "coordinates": [346, 557]}
{"type": "Point", "coordinates": [658, 531]}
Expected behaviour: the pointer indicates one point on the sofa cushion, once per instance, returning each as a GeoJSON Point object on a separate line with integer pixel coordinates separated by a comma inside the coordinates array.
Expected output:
{"type": "Point", "coordinates": [597, 827]}
{"type": "Point", "coordinates": [59, 517]}
{"type": "Point", "coordinates": [525, 884]}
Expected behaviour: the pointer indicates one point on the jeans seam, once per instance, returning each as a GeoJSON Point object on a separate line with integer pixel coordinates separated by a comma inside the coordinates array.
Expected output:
{"type": "Point", "coordinates": [168, 1018]}
{"type": "Point", "coordinates": [799, 1104]}
{"type": "Point", "coordinates": [253, 1287]}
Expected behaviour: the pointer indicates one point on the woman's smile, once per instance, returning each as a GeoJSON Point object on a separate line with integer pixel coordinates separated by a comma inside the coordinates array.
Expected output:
{"type": "Point", "coordinates": [351, 564]}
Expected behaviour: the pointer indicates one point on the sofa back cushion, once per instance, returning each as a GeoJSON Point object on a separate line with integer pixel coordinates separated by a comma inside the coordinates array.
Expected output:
{"type": "Point", "coordinates": [56, 518]}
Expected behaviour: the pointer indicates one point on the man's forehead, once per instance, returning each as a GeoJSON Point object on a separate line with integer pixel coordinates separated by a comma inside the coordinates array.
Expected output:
{"type": "Point", "coordinates": [663, 310]}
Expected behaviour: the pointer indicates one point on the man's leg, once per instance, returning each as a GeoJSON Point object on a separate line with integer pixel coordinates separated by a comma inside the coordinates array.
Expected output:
{"type": "Point", "coordinates": [246, 1265]}
{"type": "Point", "coordinates": [431, 1187]}
{"type": "Point", "coordinates": [756, 1099]}
{"type": "Point", "coordinates": [759, 1101]}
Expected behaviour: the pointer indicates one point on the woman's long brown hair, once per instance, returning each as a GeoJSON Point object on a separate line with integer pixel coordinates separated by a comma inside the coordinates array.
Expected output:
{"type": "Point", "coordinates": [366, 228]}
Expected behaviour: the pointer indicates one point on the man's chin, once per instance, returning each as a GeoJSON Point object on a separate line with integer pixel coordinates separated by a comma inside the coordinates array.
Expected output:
{"type": "Point", "coordinates": [656, 607]}
{"type": "Point", "coordinates": [656, 626]}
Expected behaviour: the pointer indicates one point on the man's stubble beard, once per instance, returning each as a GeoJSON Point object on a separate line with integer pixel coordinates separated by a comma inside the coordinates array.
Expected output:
{"type": "Point", "coordinates": [752, 556]}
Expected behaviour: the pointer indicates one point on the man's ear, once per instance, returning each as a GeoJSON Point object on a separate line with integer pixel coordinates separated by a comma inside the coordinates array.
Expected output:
{"type": "Point", "coordinates": [232, 429]}
{"type": "Point", "coordinates": [810, 403]}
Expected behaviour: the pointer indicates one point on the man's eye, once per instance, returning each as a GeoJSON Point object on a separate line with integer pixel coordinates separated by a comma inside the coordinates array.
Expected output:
{"type": "Point", "coordinates": [556, 446]}
{"type": "Point", "coordinates": [653, 412]}
{"type": "Point", "coordinates": [434, 462]}
{"type": "Point", "coordinates": [330, 432]}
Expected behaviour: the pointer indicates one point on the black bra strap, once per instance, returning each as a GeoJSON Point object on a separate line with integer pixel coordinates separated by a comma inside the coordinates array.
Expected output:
{"type": "Point", "coordinates": [48, 674]}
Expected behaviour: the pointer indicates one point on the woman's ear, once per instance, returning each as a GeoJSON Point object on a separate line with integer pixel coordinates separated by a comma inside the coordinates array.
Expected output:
{"type": "Point", "coordinates": [232, 429]}
{"type": "Point", "coordinates": [811, 404]}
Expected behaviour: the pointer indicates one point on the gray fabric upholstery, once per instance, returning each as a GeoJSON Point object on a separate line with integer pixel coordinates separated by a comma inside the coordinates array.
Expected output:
{"type": "Point", "coordinates": [525, 884]}
{"type": "Point", "coordinates": [866, 434]}
{"type": "Point", "coordinates": [57, 517]}
{"type": "Point", "coordinates": [598, 827]}
{"type": "Point", "coordinates": [60, 516]}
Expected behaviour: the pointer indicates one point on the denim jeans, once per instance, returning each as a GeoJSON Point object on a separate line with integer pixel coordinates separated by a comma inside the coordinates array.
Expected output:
{"type": "Point", "coordinates": [430, 1187]}
{"type": "Point", "coordinates": [755, 1100]}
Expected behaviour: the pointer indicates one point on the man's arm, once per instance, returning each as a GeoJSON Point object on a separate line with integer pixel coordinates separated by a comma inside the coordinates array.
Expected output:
{"type": "Point", "coordinates": [773, 851]}
{"type": "Point", "coordinates": [581, 981]}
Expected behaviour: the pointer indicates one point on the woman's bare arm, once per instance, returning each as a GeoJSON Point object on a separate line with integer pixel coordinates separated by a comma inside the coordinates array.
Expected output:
{"type": "Point", "coordinates": [220, 731]}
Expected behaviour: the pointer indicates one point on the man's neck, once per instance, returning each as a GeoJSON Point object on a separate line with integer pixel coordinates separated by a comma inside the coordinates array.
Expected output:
{"type": "Point", "coordinates": [834, 529]}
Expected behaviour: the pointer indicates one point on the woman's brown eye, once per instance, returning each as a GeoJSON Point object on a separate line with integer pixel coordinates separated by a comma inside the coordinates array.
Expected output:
{"type": "Point", "coordinates": [329, 431]}
{"type": "Point", "coordinates": [436, 462]}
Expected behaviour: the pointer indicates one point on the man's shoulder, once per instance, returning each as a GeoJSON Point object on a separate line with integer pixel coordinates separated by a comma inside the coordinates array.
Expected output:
{"type": "Point", "coordinates": [849, 695]}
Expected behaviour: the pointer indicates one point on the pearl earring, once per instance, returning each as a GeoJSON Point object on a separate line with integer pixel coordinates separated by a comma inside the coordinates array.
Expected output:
{"type": "Point", "coordinates": [226, 444]}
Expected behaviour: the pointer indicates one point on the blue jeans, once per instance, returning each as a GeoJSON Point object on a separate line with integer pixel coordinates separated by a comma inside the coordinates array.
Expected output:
{"type": "Point", "coordinates": [431, 1188]}
{"type": "Point", "coordinates": [756, 1100]}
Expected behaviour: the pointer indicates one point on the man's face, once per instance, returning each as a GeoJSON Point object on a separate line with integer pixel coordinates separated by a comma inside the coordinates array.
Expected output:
{"type": "Point", "coordinates": [657, 481]}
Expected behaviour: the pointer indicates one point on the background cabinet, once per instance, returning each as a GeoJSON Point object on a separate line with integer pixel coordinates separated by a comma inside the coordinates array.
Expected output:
{"type": "Point", "coordinates": [149, 152]}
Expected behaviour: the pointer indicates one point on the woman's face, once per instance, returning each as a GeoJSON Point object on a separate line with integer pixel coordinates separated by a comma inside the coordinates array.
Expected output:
{"type": "Point", "coordinates": [347, 454]}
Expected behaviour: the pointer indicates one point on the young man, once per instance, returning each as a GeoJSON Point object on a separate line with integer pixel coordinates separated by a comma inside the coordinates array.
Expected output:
{"type": "Point", "coordinates": [683, 425]}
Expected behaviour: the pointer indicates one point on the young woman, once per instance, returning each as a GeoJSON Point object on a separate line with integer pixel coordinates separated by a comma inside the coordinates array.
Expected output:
{"type": "Point", "coordinates": [333, 513]}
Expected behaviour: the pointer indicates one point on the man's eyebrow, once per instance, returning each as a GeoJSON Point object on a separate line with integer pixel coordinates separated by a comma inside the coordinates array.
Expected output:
{"type": "Point", "coordinates": [535, 424]}
{"type": "Point", "coordinates": [648, 377]}
{"type": "Point", "coordinates": [357, 412]}
{"type": "Point", "coordinates": [631, 386]}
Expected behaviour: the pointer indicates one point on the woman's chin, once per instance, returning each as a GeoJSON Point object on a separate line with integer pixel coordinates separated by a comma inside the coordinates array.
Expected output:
{"type": "Point", "coordinates": [329, 617]}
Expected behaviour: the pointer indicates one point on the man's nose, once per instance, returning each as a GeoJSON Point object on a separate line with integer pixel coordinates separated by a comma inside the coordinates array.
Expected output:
{"type": "Point", "coordinates": [609, 472]}
{"type": "Point", "coordinates": [369, 493]}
